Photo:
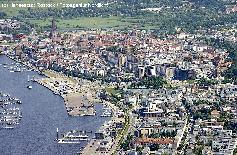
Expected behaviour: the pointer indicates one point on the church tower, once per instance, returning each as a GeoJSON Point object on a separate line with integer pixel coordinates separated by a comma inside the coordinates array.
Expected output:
{"type": "Point", "coordinates": [53, 34]}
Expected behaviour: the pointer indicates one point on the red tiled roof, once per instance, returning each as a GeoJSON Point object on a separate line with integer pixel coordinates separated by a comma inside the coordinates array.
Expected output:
{"type": "Point", "coordinates": [155, 140]}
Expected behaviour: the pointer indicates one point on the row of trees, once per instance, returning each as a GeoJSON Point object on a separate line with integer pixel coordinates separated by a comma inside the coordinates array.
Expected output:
{"type": "Point", "coordinates": [203, 113]}
{"type": "Point", "coordinates": [199, 102]}
{"type": "Point", "coordinates": [203, 82]}
{"type": "Point", "coordinates": [150, 82]}
{"type": "Point", "coordinates": [164, 134]}
{"type": "Point", "coordinates": [2, 14]}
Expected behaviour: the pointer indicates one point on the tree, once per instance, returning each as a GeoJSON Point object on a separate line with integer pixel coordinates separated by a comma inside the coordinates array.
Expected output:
{"type": "Point", "coordinates": [151, 82]}
{"type": "Point", "coordinates": [154, 147]}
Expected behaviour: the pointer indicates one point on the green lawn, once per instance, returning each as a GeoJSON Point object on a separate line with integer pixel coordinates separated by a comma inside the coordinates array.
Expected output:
{"type": "Point", "coordinates": [84, 22]}
{"type": "Point", "coordinates": [93, 22]}
{"type": "Point", "coordinates": [111, 90]}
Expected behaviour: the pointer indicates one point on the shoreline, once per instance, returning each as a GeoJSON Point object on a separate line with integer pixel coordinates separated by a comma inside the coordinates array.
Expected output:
{"type": "Point", "coordinates": [76, 103]}
{"type": "Point", "coordinates": [26, 64]}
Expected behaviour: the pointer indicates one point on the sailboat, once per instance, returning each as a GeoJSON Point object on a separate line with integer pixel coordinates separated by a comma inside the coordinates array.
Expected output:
{"type": "Point", "coordinates": [29, 86]}
{"type": "Point", "coordinates": [28, 78]}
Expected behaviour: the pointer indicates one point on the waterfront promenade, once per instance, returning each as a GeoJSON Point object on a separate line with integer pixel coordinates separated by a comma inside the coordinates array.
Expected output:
{"type": "Point", "coordinates": [79, 95]}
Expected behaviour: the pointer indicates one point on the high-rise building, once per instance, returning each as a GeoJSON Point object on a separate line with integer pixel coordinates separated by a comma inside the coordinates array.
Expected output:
{"type": "Point", "coordinates": [170, 72]}
{"type": "Point", "coordinates": [141, 71]}
{"type": "Point", "coordinates": [121, 61]}
{"type": "Point", "coordinates": [151, 70]}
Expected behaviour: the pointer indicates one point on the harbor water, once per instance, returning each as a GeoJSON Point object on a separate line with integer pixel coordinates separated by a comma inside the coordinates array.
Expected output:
{"type": "Point", "coordinates": [42, 113]}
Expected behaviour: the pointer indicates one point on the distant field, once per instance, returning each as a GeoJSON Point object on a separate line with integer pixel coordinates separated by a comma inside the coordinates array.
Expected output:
{"type": "Point", "coordinates": [93, 22]}
{"type": "Point", "coordinates": [84, 22]}
{"type": "Point", "coordinates": [10, 11]}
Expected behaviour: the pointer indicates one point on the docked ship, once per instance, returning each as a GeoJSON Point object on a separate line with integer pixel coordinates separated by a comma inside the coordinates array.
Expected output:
{"type": "Point", "coordinates": [77, 137]}
{"type": "Point", "coordinates": [72, 137]}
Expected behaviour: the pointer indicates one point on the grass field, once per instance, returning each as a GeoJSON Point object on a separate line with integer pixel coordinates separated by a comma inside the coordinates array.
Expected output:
{"type": "Point", "coordinates": [93, 22]}
{"type": "Point", "coordinates": [84, 22]}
